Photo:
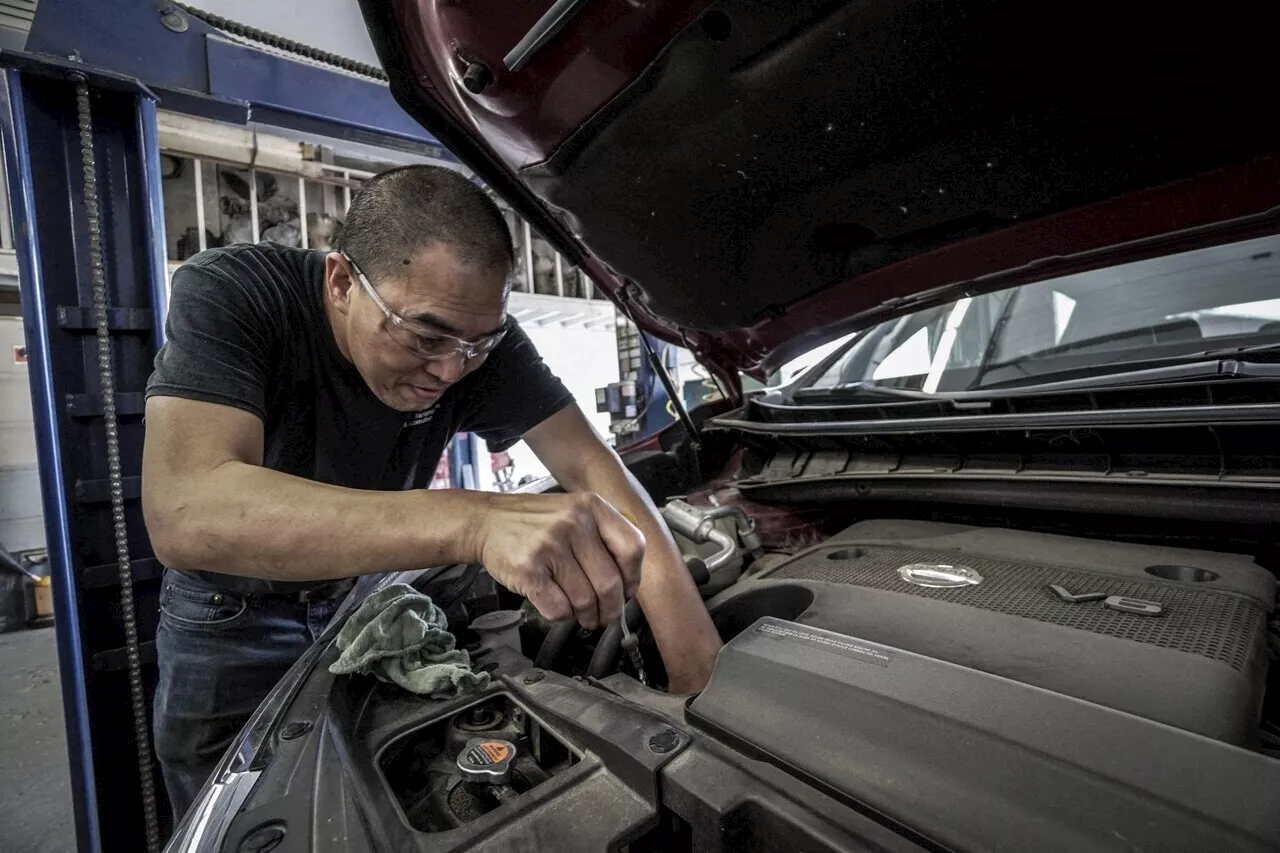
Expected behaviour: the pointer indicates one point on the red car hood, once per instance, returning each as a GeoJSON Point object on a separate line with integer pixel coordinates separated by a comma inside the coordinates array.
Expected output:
{"type": "Point", "coordinates": [753, 178]}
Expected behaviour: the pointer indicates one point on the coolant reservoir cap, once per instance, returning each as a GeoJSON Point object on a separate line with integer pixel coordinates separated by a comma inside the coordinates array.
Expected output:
{"type": "Point", "coordinates": [498, 620]}
{"type": "Point", "coordinates": [487, 759]}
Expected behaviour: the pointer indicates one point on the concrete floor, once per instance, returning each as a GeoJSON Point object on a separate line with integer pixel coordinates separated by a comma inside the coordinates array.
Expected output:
{"type": "Point", "coordinates": [35, 793]}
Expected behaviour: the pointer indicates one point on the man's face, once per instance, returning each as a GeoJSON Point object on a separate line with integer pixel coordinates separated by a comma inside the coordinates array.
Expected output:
{"type": "Point", "coordinates": [439, 295]}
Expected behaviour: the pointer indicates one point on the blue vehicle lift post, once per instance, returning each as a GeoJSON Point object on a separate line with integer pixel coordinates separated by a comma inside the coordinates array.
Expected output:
{"type": "Point", "coordinates": [43, 154]}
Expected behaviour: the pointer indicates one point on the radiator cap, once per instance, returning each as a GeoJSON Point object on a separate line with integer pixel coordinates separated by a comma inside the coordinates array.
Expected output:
{"type": "Point", "coordinates": [487, 759]}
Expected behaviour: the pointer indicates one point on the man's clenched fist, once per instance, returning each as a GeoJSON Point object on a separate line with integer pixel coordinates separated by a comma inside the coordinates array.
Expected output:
{"type": "Point", "coordinates": [572, 556]}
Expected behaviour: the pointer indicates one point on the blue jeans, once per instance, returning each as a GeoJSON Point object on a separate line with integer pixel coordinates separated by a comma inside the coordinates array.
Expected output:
{"type": "Point", "coordinates": [219, 654]}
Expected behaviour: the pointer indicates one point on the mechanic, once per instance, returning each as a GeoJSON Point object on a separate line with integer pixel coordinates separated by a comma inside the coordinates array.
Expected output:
{"type": "Point", "coordinates": [295, 417]}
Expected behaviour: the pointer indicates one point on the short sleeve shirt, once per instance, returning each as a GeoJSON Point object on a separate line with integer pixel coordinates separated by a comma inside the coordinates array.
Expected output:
{"type": "Point", "coordinates": [247, 328]}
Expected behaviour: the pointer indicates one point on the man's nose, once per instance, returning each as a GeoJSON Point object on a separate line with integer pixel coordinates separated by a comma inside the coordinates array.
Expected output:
{"type": "Point", "coordinates": [449, 369]}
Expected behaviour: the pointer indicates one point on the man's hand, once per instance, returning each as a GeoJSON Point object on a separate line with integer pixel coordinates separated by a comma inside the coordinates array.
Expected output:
{"type": "Point", "coordinates": [572, 556]}
{"type": "Point", "coordinates": [583, 464]}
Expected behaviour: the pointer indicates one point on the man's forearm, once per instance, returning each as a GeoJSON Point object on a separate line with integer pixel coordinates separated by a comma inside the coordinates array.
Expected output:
{"type": "Point", "coordinates": [248, 520]}
{"type": "Point", "coordinates": [680, 623]}
{"type": "Point", "coordinates": [681, 626]}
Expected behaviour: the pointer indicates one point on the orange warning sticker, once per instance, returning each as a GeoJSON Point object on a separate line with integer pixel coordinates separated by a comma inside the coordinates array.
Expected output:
{"type": "Point", "coordinates": [496, 750]}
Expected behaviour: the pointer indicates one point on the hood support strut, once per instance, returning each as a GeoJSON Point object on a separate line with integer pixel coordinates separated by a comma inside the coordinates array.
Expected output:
{"type": "Point", "coordinates": [677, 401]}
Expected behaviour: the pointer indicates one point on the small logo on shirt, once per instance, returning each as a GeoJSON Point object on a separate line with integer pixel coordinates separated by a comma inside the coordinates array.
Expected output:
{"type": "Point", "coordinates": [414, 419]}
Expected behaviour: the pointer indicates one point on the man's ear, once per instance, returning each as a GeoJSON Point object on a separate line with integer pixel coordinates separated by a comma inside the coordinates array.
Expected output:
{"type": "Point", "coordinates": [338, 282]}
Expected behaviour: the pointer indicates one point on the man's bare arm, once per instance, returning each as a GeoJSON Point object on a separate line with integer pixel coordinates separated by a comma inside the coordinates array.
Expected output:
{"type": "Point", "coordinates": [581, 462]}
{"type": "Point", "coordinates": [209, 504]}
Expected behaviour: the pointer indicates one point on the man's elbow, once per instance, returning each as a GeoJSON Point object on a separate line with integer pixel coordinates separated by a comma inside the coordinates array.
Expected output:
{"type": "Point", "coordinates": [164, 530]}
{"type": "Point", "coordinates": [172, 527]}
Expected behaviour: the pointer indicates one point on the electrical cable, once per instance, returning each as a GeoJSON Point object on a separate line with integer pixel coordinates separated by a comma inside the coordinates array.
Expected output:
{"type": "Point", "coordinates": [631, 644]}
{"type": "Point", "coordinates": [611, 641]}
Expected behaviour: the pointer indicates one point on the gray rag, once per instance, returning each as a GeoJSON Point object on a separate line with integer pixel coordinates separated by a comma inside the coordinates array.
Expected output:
{"type": "Point", "coordinates": [401, 637]}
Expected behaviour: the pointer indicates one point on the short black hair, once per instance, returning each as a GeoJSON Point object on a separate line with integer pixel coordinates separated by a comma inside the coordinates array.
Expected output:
{"type": "Point", "coordinates": [402, 210]}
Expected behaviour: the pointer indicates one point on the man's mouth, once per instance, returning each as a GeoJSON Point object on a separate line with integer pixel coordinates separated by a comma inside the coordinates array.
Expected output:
{"type": "Point", "coordinates": [424, 394]}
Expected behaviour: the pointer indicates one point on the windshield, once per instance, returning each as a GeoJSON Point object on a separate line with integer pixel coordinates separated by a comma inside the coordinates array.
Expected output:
{"type": "Point", "coordinates": [1217, 298]}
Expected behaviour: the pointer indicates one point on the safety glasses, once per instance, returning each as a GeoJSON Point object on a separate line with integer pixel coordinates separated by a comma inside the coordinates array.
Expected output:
{"type": "Point", "coordinates": [421, 340]}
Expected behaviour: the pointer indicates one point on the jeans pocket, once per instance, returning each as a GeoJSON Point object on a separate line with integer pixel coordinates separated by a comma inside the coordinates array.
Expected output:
{"type": "Point", "coordinates": [199, 607]}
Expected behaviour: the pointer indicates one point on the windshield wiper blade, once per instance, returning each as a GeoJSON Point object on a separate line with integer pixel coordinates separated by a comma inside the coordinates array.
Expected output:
{"type": "Point", "coordinates": [1085, 346]}
{"type": "Point", "coordinates": [1214, 369]}
{"type": "Point", "coordinates": [1159, 371]}
{"type": "Point", "coordinates": [864, 389]}
{"type": "Point", "coordinates": [1233, 363]}
{"type": "Point", "coordinates": [1257, 349]}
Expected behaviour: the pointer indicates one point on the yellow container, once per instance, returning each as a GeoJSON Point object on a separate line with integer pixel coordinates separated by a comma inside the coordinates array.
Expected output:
{"type": "Point", "coordinates": [44, 597]}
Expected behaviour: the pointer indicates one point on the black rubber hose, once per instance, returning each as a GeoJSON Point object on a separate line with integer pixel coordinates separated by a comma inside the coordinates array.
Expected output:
{"type": "Point", "coordinates": [556, 638]}
{"type": "Point", "coordinates": [697, 570]}
{"type": "Point", "coordinates": [450, 596]}
{"type": "Point", "coordinates": [605, 656]}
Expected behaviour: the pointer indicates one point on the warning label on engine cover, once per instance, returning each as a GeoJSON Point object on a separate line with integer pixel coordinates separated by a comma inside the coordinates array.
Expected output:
{"type": "Point", "coordinates": [844, 646]}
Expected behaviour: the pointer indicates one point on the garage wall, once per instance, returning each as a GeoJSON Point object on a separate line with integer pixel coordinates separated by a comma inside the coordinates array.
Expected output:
{"type": "Point", "coordinates": [21, 514]}
{"type": "Point", "coordinates": [21, 518]}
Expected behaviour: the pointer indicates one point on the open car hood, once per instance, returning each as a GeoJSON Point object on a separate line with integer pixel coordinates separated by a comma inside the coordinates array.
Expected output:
{"type": "Point", "coordinates": [754, 178]}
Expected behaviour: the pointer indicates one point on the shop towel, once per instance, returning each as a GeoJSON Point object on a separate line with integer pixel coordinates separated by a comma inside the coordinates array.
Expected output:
{"type": "Point", "coordinates": [399, 636]}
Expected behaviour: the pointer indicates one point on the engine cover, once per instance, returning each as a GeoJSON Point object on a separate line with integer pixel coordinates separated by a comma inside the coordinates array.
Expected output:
{"type": "Point", "coordinates": [959, 759]}
{"type": "Point", "coordinates": [1172, 635]}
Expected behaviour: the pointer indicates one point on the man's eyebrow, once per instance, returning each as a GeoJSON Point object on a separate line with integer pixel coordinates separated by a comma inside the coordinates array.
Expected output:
{"type": "Point", "coordinates": [447, 327]}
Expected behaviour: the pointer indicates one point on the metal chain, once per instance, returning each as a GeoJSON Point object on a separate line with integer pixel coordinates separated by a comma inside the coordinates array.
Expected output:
{"type": "Point", "coordinates": [106, 376]}
{"type": "Point", "coordinates": [236, 28]}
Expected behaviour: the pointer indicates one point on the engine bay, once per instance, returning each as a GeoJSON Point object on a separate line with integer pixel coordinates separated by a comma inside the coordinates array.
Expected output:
{"type": "Point", "coordinates": [925, 683]}
{"type": "Point", "coordinates": [917, 672]}
{"type": "Point", "coordinates": [1176, 635]}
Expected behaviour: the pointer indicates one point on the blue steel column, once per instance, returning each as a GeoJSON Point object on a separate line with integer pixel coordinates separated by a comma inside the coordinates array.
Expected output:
{"type": "Point", "coordinates": [462, 451]}
{"type": "Point", "coordinates": [44, 161]}
{"type": "Point", "coordinates": [75, 704]}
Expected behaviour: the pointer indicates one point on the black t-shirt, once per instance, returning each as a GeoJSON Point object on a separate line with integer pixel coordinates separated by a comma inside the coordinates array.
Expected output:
{"type": "Point", "coordinates": [247, 328]}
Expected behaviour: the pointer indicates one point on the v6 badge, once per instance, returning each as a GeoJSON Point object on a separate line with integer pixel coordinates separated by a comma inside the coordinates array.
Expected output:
{"type": "Point", "coordinates": [1136, 606]}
